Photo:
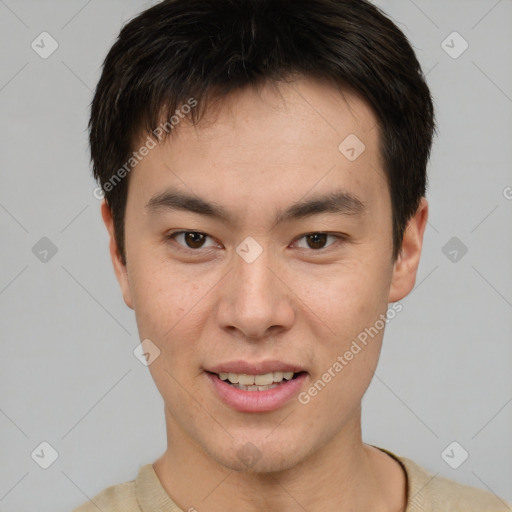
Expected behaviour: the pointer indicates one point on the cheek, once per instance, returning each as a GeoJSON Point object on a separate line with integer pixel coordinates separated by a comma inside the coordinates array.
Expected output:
{"type": "Point", "coordinates": [168, 305]}
{"type": "Point", "coordinates": [347, 296]}
{"type": "Point", "coordinates": [168, 310]}
{"type": "Point", "coordinates": [350, 304]}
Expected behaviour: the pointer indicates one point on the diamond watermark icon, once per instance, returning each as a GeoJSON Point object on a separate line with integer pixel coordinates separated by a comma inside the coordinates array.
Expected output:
{"type": "Point", "coordinates": [249, 250]}
{"type": "Point", "coordinates": [44, 455]}
{"type": "Point", "coordinates": [44, 45]}
{"type": "Point", "coordinates": [454, 45]}
{"type": "Point", "coordinates": [146, 352]}
{"type": "Point", "coordinates": [454, 249]}
{"type": "Point", "coordinates": [351, 147]}
{"type": "Point", "coordinates": [249, 455]}
{"type": "Point", "coordinates": [44, 250]}
{"type": "Point", "coordinates": [454, 455]}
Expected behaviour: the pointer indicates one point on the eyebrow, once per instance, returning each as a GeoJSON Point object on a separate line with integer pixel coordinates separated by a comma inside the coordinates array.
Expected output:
{"type": "Point", "coordinates": [340, 201]}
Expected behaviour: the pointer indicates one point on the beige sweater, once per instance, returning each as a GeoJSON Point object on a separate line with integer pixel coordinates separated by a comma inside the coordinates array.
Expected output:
{"type": "Point", "coordinates": [425, 493]}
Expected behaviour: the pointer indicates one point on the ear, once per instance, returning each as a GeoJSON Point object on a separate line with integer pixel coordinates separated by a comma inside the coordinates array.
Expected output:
{"type": "Point", "coordinates": [406, 265]}
{"type": "Point", "coordinates": [119, 266]}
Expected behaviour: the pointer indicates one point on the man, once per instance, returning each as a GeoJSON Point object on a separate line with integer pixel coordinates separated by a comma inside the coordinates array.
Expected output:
{"type": "Point", "coordinates": [264, 170]}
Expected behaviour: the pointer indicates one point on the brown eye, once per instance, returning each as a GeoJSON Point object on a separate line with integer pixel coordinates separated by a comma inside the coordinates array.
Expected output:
{"type": "Point", "coordinates": [194, 240]}
{"type": "Point", "coordinates": [316, 240]}
{"type": "Point", "coordinates": [190, 239]}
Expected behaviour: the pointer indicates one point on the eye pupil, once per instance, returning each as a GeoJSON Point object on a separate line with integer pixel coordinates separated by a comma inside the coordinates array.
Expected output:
{"type": "Point", "coordinates": [193, 238]}
{"type": "Point", "coordinates": [317, 239]}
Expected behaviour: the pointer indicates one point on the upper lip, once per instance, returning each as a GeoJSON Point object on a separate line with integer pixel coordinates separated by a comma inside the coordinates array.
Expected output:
{"type": "Point", "coordinates": [255, 368]}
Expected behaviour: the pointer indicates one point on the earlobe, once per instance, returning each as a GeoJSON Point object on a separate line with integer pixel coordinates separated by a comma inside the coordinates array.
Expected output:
{"type": "Point", "coordinates": [406, 265]}
{"type": "Point", "coordinates": [119, 267]}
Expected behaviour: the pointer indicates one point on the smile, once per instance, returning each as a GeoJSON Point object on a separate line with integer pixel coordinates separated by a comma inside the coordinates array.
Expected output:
{"type": "Point", "coordinates": [257, 393]}
{"type": "Point", "coordinates": [261, 382]}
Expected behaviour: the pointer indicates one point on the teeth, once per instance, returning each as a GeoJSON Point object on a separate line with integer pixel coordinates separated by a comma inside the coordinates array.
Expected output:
{"type": "Point", "coordinates": [245, 380]}
{"type": "Point", "coordinates": [255, 388]}
{"type": "Point", "coordinates": [264, 380]}
{"type": "Point", "coordinates": [254, 381]}
{"type": "Point", "coordinates": [278, 376]}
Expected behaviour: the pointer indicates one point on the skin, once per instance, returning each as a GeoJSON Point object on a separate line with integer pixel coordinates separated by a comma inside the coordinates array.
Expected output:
{"type": "Point", "coordinates": [299, 302]}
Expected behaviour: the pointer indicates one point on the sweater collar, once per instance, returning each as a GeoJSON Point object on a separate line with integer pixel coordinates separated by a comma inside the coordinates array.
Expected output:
{"type": "Point", "coordinates": [152, 497]}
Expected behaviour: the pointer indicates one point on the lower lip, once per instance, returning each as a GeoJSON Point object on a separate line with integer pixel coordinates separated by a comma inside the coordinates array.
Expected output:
{"type": "Point", "coordinates": [257, 401]}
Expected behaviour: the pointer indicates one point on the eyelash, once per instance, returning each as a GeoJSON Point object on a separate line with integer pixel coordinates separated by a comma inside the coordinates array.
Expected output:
{"type": "Point", "coordinates": [339, 238]}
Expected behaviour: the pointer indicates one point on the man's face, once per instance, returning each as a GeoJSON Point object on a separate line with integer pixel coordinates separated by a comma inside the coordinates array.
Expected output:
{"type": "Point", "coordinates": [258, 286]}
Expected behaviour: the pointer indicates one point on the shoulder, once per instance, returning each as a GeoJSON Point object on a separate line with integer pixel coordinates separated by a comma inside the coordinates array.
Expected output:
{"type": "Point", "coordinates": [143, 494]}
{"type": "Point", "coordinates": [116, 498]}
{"type": "Point", "coordinates": [431, 492]}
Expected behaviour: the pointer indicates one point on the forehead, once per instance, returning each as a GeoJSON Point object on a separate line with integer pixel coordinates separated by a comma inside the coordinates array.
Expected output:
{"type": "Point", "coordinates": [277, 140]}
{"type": "Point", "coordinates": [311, 111]}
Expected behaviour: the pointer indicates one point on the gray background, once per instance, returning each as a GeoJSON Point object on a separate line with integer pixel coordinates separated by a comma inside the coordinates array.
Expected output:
{"type": "Point", "coordinates": [68, 373]}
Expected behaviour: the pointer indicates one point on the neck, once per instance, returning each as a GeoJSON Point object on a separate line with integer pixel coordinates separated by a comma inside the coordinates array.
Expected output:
{"type": "Point", "coordinates": [344, 474]}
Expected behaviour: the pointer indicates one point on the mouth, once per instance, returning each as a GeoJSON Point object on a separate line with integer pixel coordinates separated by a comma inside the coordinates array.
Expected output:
{"type": "Point", "coordinates": [255, 393]}
{"type": "Point", "coordinates": [261, 382]}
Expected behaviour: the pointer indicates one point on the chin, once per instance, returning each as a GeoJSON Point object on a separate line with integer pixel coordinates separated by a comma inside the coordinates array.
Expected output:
{"type": "Point", "coordinates": [258, 457]}
{"type": "Point", "coordinates": [265, 465]}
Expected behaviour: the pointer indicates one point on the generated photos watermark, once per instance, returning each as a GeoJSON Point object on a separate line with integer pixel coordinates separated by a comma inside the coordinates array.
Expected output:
{"type": "Point", "coordinates": [356, 347]}
{"type": "Point", "coordinates": [149, 144]}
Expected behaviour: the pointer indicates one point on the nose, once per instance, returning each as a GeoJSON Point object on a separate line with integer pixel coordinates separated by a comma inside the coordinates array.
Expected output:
{"type": "Point", "coordinates": [256, 300]}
